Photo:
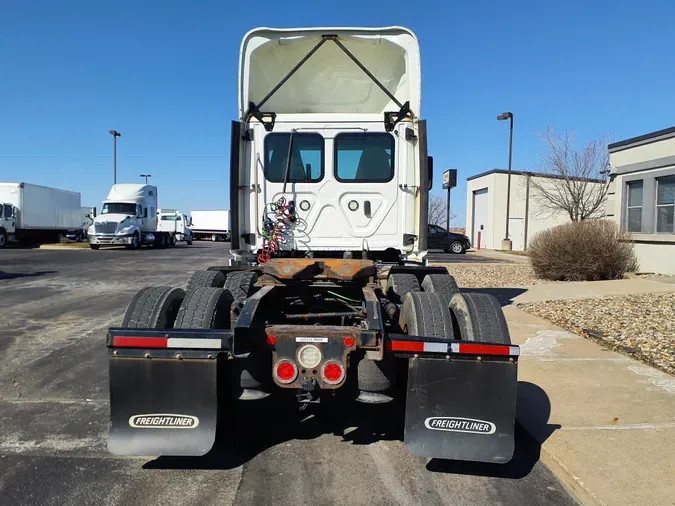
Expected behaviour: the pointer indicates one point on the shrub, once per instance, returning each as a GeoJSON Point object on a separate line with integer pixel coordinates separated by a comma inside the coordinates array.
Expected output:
{"type": "Point", "coordinates": [587, 250]}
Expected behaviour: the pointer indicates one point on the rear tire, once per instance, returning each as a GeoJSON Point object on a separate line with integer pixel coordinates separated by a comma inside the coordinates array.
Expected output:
{"type": "Point", "coordinates": [401, 284]}
{"type": "Point", "coordinates": [376, 375]}
{"type": "Point", "coordinates": [153, 307]}
{"type": "Point", "coordinates": [479, 317]}
{"type": "Point", "coordinates": [426, 314]}
{"type": "Point", "coordinates": [205, 279]}
{"type": "Point", "coordinates": [3, 239]}
{"type": "Point", "coordinates": [94, 246]}
{"type": "Point", "coordinates": [205, 308]}
{"type": "Point", "coordinates": [442, 284]}
{"type": "Point", "coordinates": [240, 283]}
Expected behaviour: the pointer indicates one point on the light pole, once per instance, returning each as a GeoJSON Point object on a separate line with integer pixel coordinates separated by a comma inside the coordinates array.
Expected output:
{"type": "Point", "coordinates": [506, 243]}
{"type": "Point", "coordinates": [115, 135]}
{"type": "Point", "coordinates": [146, 176]}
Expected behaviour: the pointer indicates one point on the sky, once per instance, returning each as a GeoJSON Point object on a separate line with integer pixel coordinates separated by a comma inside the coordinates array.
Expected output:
{"type": "Point", "coordinates": [164, 74]}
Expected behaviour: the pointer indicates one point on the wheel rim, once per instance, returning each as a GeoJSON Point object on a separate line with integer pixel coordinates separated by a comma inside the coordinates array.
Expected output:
{"type": "Point", "coordinates": [456, 247]}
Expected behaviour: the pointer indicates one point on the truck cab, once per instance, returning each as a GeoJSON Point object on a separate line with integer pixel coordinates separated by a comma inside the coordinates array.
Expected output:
{"type": "Point", "coordinates": [328, 167]}
{"type": "Point", "coordinates": [128, 217]}
{"type": "Point", "coordinates": [7, 223]}
{"type": "Point", "coordinates": [175, 222]}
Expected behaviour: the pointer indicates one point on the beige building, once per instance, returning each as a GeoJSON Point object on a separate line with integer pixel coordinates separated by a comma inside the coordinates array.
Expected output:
{"type": "Point", "coordinates": [486, 209]}
{"type": "Point", "coordinates": [642, 196]}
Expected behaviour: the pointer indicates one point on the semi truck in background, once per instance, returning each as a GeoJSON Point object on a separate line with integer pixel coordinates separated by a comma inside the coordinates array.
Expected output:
{"type": "Point", "coordinates": [129, 218]}
{"type": "Point", "coordinates": [34, 214]}
{"type": "Point", "coordinates": [213, 225]}
{"type": "Point", "coordinates": [174, 221]}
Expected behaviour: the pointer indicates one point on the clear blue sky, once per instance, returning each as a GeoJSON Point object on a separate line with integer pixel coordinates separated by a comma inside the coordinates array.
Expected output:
{"type": "Point", "coordinates": [164, 73]}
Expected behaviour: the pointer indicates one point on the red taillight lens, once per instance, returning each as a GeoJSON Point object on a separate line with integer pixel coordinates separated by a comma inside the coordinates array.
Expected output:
{"type": "Point", "coordinates": [349, 341]}
{"type": "Point", "coordinates": [285, 371]}
{"type": "Point", "coordinates": [271, 340]}
{"type": "Point", "coordinates": [333, 372]}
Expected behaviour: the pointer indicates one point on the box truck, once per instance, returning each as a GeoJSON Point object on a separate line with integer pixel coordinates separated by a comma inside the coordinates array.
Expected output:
{"type": "Point", "coordinates": [214, 225]}
{"type": "Point", "coordinates": [37, 214]}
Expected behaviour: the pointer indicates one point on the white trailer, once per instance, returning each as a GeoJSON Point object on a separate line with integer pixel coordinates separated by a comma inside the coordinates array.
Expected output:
{"type": "Point", "coordinates": [214, 225]}
{"type": "Point", "coordinates": [38, 214]}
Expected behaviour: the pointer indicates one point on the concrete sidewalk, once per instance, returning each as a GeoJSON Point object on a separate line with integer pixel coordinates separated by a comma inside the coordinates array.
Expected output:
{"type": "Point", "coordinates": [606, 422]}
{"type": "Point", "coordinates": [575, 290]}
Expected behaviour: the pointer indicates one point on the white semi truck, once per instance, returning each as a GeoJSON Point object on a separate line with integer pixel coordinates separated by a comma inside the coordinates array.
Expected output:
{"type": "Point", "coordinates": [38, 214]}
{"type": "Point", "coordinates": [129, 217]}
{"type": "Point", "coordinates": [213, 225]}
{"type": "Point", "coordinates": [175, 222]}
{"type": "Point", "coordinates": [328, 299]}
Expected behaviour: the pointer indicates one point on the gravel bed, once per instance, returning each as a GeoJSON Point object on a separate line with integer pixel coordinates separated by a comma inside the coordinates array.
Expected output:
{"type": "Point", "coordinates": [488, 275]}
{"type": "Point", "coordinates": [640, 326]}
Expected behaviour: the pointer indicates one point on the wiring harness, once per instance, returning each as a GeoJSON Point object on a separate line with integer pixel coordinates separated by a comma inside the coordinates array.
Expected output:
{"type": "Point", "coordinates": [278, 219]}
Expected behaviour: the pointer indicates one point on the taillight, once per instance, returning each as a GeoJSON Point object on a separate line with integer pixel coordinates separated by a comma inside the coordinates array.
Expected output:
{"type": "Point", "coordinates": [285, 371]}
{"type": "Point", "coordinates": [333, 372]}
{"type": "Point", "coordinates": [349, 341]}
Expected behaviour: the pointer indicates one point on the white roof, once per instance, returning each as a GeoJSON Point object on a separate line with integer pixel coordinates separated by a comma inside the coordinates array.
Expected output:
{"type": "Point", "coordinates": [329, 81]}
{"type": "Point", "coordinates": [127, 191]}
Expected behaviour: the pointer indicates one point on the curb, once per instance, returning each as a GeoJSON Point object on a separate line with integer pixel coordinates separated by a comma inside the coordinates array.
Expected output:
{"type": "Point", "coordinates": [62, 246]}
{"type": "Point", "coordinates": [573, 483]}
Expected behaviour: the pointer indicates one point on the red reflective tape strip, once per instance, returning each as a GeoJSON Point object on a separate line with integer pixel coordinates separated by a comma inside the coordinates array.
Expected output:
{"type": "Point", "coordinates": [139, 342]}
{"type": "Point", "coordinates": [412, 346]}
{"type": "Point", "coordinates": [484, 349]}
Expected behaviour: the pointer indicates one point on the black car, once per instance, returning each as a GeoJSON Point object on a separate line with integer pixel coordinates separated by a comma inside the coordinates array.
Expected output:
{"type": "Point", "coordinates": [439, 238]}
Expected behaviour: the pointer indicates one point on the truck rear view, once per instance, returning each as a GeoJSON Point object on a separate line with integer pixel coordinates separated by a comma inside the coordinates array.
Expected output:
{"type": "Point", "coordinates": [328, 297]}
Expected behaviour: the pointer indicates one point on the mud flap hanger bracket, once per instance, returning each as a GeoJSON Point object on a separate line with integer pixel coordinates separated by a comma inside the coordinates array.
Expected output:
{"type": "Point", "coordinates": [268, 119]}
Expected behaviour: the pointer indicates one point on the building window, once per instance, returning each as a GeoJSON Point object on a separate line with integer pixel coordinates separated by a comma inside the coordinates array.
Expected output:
{"type": "Point", "coordinates": [634, 207]}
{"type": "Point", "coordinates": [665, 205]}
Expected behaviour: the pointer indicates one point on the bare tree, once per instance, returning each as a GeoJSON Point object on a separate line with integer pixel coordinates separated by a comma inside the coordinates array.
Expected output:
{"type": "Point", "coordinates": [577, 182]}
{"type": "Point", "coordinates": [438, 210]}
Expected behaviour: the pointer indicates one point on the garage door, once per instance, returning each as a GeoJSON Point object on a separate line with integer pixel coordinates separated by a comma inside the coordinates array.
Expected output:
{"type": "Point", "coordinates": [480, 214]}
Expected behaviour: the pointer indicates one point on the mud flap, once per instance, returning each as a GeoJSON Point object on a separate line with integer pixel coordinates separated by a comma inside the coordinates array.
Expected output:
{"type": "Point", "coordinates": [162, 406]}
{"type": "Point", "coordinates": [461, 409]}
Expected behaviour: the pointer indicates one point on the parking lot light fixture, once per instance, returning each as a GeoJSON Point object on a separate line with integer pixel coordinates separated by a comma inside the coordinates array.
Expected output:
{"type": "Point", "coordinates": [506, 243]}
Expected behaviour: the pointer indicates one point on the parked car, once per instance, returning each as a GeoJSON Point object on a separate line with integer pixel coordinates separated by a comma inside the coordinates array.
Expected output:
{"type": "Point", "coordinates": [450, 242]}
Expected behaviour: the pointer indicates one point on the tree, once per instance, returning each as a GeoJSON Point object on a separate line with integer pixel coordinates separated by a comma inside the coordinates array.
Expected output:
{"type": "Point", "coordinates": [577, 177]}
{"type": "Point", "coordinates": [438, 210]}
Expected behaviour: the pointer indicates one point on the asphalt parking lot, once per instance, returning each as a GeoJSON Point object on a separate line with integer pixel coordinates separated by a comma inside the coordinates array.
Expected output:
{"type": "Point", "coordinates": [55, 306]}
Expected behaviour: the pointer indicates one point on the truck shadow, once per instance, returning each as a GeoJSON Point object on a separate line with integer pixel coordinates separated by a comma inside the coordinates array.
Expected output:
{"type": "Point", "coordinates": [255, 427]}
{"type": "Point", "coordinates": [251, 428]}
{"type": "Point", "coordinates": [16, 275]}
{"type": "Point", "coordinates": [505, 296]}
{"type": "Point", "coordinates": [534, 409]}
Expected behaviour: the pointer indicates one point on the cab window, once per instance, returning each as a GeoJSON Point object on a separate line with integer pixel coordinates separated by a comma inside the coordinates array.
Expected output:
{"type": "Point", "coordinates": [364, 157]}
{"type": "Point", "coordinates": [8, 211]}
{"type": "Point", "coordinates": [307, 157]}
